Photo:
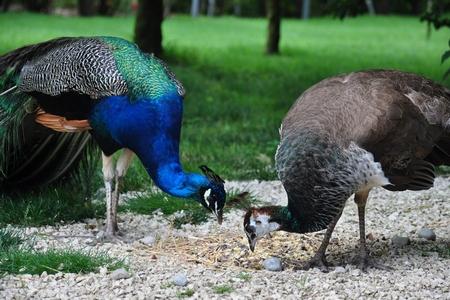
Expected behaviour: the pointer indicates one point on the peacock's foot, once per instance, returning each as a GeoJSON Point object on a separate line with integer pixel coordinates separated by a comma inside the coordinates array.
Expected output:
{"type": "Point", "coordinates": [110, 236]}
{"type": "Point", "coordinates": [318, 261]}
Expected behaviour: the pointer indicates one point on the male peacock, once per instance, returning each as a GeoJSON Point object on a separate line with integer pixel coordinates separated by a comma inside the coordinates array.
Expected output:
{"type": "Point", "coordinates": [52, 93]}
{"type": "Point", "coordinates": [349, 134]}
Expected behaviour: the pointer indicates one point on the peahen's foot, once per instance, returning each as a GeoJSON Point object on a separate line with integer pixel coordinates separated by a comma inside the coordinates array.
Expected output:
{"type": "Point", "coordinates": [364, 261]}
{"type": "Point", "coordinates": [318, 261]}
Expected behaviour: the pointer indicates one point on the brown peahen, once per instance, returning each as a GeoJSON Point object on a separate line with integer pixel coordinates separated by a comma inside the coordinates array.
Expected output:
{"type": "Point", "coordinates": [346, 135]}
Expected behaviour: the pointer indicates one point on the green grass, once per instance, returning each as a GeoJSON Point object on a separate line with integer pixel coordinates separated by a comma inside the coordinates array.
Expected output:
{"type": "Point", "coordinates": [236, 95]}
{"type": "Point", "coordinates": [194, 213]}
{"type": "Point", "coordinates": [223, 289]}
{"type": "Point", "coordinates": [47, 207]}
{"type": "Point", "coordinates": [18, 257]}
{"type": "Point", "coordinates": [245, 276]}
{"type": "Point", "coordinates": [185, 294]}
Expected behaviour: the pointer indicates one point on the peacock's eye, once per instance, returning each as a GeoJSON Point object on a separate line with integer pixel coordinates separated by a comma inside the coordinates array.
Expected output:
{"type": "Point", "coordinates": [258, 222]}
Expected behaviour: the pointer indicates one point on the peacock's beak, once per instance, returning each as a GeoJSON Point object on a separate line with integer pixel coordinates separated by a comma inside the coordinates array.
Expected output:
{"type": "Point", "coordinates": [219, 215]}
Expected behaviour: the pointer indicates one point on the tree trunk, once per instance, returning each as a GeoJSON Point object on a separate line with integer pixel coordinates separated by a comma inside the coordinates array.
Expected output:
{"type": "Point", "coordinates": [273, 34]}
{"type": "Point", "coordinates": [195, 8]}
{"type": "Point", "coordinates": [105, 8]}
{"type": "Point", "coordinates": [237, 11]}
{"type": "Point", "coordinates": [4, 5]}
{"type": "Point", "coordinates": [211, 8]}
{"type": "Point", "coordinates": [147, 32]}
{"type": "Point", "coordinates": [38, 5]}
{"type": "Point", "coordinates": [370, 7]}
{"type": "Point", "coordinates": [167, 7]}
{"type": "Point", "coordinates": [306, 8]}
{"type": "Point", "coordinates": [86, 8]}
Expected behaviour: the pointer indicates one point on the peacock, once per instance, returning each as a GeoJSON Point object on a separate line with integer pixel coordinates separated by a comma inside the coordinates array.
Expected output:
{"type": "Point", "coordinates": [56, 95]}
{"type": "Point", "coordinates": [346, 135]}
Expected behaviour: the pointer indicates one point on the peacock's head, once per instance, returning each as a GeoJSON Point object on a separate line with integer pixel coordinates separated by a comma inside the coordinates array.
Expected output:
{"type": "Point", "coordinates": [257, 223]}
{"type": "Point", "coordinates": [213, 196]}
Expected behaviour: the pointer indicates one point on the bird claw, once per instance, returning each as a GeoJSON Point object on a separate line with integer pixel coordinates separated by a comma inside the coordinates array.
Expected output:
{"type": "Point", "coordinates": [318, 261]}
{"type": "Point", "coordinates": [110, 236]}
{"type": "Point", "coordinates": [364, 261]}
{"type": "Point", "coordinates": [370, 263]}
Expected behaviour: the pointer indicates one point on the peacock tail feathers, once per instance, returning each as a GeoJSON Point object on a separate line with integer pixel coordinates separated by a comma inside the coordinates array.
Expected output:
{"type": "Point", "coordinates": [30, 153]}
{"type": "Point", "coordinates": [13, 109]}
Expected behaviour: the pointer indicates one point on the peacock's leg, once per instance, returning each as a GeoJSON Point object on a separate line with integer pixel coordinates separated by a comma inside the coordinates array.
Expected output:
{"type": "Point", "coordinates": [121, 169]}
{"type": "Point", "coordinates": [319, 259]}
{"type": "Point", "coordinates": [111, 208]}
{"type": "Point", "coordinates": [364, 259]}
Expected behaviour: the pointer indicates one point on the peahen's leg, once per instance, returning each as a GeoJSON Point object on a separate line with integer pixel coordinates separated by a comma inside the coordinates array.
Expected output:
{"type": "Point", "coordinates": [361, 200]}
{"type": "Point", "coordinates": [319, 259]}
{"type": "Point", "coordinates": [364, 259]}
{"type": "Point", "coordinates": [111, 206]}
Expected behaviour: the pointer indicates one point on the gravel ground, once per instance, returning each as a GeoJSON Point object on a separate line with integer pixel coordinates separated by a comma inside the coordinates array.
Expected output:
{"type": "Point", "coordinates": [421, 268]}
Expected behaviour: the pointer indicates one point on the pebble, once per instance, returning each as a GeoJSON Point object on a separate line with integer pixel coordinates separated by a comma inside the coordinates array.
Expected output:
{"type": "Point", "coordinates": [273, 264]}
{"type": "Point", "coordinates": [148, 240]}
{"type": "Point", "coordinates": [400, 241]}
{"type": "Point", "coordinates": [414, 276]}
{"type": "Point", "coordinates": [180, 279]}
{"type": "Point", "coordinates": [427, 234]}
{"type": "Point", "coordinates": [120, 274]}
{"type": "Point", "coordinates": [339, 269]}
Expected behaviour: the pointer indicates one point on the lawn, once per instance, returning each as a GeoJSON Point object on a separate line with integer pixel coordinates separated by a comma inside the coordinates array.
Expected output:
{"type": "Point", "coordinates": [236, 95]}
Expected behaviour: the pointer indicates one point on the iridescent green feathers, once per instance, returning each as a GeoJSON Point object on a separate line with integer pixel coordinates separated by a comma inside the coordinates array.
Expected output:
{"type": "Point", "coordinates": [146, 75]}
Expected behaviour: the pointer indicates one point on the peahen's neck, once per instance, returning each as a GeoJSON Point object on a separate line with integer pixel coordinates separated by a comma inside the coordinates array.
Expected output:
{"type": "Point", "coordinates": [285, 219]}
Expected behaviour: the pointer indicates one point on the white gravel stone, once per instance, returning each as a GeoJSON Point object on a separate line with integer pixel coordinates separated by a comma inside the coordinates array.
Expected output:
{"type": "Point", "coordinates": [120, 274]}
{"type": "Point", "coordinates": [180, 279]}
{"type": "Point", "coordinates": [427, 234]}
{"type": "Point", "coordinates": [148, 240]}
{"type": "Point", "coordinates": [400, 241]}
{"type": "Point", "coordinates": [273, 264]}
{"type": "Point", "coordinates": [340, 269]}
{"type": "Point", "coordinates": [414, 275]}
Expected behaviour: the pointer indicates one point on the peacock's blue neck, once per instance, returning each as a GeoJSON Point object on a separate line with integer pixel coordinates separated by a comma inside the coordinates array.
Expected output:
{"type": "Point", "coordinates": [150, 128]}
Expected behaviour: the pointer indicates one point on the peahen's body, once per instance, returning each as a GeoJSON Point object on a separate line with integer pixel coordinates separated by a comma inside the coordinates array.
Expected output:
{"type": "Point", "coordinates": [52, 94]}
{"type": "Point", "coordinates": [348, 134]}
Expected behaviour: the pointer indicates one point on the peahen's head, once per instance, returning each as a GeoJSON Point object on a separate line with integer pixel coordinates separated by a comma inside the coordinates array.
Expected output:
{"type": "Point", "coordinates": [258, 222]}
{"type": "Point", "coordinates": [212, 195]}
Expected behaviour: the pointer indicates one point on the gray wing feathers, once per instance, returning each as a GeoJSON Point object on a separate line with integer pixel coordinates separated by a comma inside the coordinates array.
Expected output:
{"type": "Point", "coordinates": [86, 66]}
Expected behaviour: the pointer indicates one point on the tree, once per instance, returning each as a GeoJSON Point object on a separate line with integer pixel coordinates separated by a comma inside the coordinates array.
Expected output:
{"type": "Point", "coordinates": [86, 8]}
{"type": "Point", "coordinates": [147, 31]}
{"type": "Point", "coordinates": [273, 33]}
{"type": "Point", "coordinates": [38, 5]}
{"type": "Point", "coordinates": [435, 15]}
{"type": "Point", "coordinates": [105, 7]}
{"type": "Point", "coordinates": [211, 8]}
{"type": "Point", "coordinates": [195, 8]}
{"type": "Point", "coordinates": [4, 5]}
{"type": "Point", "coordinates": [306, 8]}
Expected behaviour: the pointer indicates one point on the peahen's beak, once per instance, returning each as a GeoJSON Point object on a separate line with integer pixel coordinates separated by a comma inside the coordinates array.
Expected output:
{"type": "Point", "coordinates": [252, 243]}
